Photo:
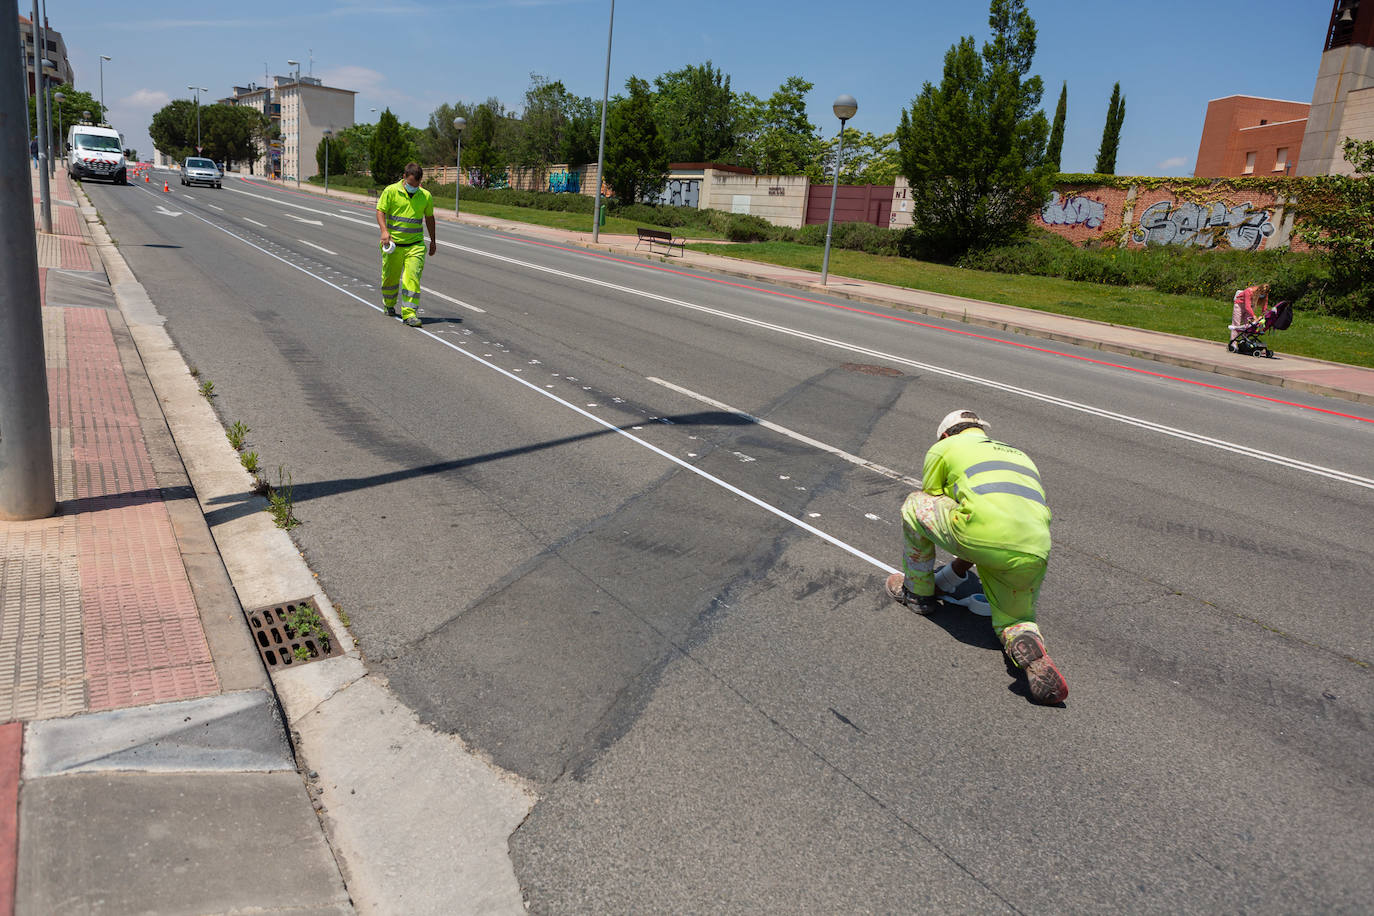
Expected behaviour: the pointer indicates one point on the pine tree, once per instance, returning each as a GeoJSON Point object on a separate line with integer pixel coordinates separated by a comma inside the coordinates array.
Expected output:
{"type": "Point", "coordinates": [389, 148]}
{"type": "Point", "coordinates": [1056, 147]}
{"type": "Point", "coordinates": [1111, 133]}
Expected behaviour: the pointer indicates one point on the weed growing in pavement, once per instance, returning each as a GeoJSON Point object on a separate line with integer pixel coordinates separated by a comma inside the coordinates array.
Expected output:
{"type": "Point", "coordinates": [343, 616]}
{"type": "Point", "coordinates": [280, 502]}
{"type": "Point", "coordinates": [195, 373]}
{"type": "Point", "coordinates": [260, 485]}
{"type": "Point", "coordinates": [302, 654]}
{"type": "Point", "coordinates": [249, 460]}
{"type": "Point", "coordinates": [304, 622]}
{"type": "Point", "coordinates": [207, 389]}
{"type": "Point", "coordinates": [237, 433]}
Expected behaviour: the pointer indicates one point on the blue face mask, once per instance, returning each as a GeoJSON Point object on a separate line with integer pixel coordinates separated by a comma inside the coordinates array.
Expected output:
{"type": "Point", "coordinates": [411, 188]}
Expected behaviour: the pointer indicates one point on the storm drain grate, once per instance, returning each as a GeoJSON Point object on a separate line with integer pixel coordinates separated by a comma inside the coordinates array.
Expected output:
{"type": "Point", "coordinates": [292, 633]}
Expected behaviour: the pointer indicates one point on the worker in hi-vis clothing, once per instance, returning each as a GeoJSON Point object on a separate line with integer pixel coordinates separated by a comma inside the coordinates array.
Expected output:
{"type": "Point", "coordinates": [404, 209]}
{"type": "Point", "coordinates": [982, 501]}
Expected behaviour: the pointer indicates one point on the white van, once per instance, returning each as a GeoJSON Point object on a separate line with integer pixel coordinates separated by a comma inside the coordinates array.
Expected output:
{"type": "Point", "coordinates": [96, 152]}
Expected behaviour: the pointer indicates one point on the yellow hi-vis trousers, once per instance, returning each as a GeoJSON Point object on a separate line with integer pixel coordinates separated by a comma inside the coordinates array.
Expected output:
{"type": "Point", "coordinates": [401, 274]}
{"type": "Point", "coordinates": [1011, 579]}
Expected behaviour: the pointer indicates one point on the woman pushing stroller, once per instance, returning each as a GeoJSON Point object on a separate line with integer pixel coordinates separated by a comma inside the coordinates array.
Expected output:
{"type": "Point", "coordinates": [1252, 316]}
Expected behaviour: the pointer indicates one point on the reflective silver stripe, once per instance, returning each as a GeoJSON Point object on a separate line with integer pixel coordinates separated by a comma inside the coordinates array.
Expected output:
{"type": "Point", "coordinates": [392, 288]}
{"type": "Point", "coordinates": [405, 219]}
{"type": "Point", "coordinates": [984, 466]}
{"type": "Point", "coordinates": [412, 293]}
{"type": "Point", "coordinates": [1013, 489]}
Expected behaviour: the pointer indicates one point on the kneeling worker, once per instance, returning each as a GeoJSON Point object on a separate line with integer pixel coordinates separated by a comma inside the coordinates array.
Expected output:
{"type": "Point", "coordinates": [404, 209]}
{"type": "Point", "coordinates": [982, 501]}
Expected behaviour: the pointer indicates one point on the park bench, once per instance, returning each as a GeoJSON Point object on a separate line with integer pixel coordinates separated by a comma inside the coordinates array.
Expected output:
{"type": "Point", "coordinates": [659, 237]}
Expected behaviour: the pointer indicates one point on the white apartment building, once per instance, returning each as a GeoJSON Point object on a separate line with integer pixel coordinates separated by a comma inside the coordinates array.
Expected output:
{"type": "Point", "coordinates": [302, 107]}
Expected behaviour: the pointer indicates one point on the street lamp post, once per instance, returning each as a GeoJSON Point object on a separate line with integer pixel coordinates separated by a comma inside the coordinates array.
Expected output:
{"type": "Point", "coordinates": [299, 100]}
{"type": "Point", "coordinates": [601, 147]}
{"type": "Point", "coordinates": [44, 200]}
{"type": "Point", "coordinates": [198, 90]}
{"type": "Point", "coordinates": [59, 98]}
{"type": "Point", "coordinates": [458, 125]}
{"type": "Point", "coordinates": [103, 58]}
{"type": "Point", "coordinates": [327, 134]}
{"type": "Point", "coordinates": [49, 66]}
{"type": "Point", "coordinates": [845, 108]}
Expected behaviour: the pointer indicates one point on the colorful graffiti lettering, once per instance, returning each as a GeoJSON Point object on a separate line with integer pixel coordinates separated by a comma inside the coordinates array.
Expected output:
{"type": "Point", "coordinates": [565, 182]}
{"type": "Point", "coordinates": [494, 181]}
{"type": "Point", "coordinates": [1073, 211]}
{"type": "Point", "coordinates": [1203, 225]}
{"type": "Point", "coordinates": [680, 192]}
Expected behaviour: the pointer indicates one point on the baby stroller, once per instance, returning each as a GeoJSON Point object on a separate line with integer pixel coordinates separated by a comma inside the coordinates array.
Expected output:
{"type": "Point", "coordinates": [1247, 329]}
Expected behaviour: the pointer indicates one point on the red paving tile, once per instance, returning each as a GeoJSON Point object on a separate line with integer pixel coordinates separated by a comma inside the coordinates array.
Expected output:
{"type": "Point", "coordinates": [11, 742]}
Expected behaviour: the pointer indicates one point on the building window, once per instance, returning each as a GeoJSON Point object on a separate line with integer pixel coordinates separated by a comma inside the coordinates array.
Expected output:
{"type": "Point", "coordinates": [1249, 164]}
{"type": "Point", "coordinates": [1281, 159]}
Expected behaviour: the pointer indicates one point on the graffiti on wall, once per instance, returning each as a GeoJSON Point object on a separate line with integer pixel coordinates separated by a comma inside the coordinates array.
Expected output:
{"type": "Point", "coordinates": [1073, 211]}
{"type": "Point", "coordinates": [1203, 225]}
{"type": "Point", "coordinates": [494, 181]}
{"type": "Point", "coordinates": [680, 192]}
{"type": "Point", "coordinates": [565, 182]}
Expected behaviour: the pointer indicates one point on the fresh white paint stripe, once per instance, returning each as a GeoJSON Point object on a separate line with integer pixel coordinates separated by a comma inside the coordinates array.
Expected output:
{"type": "Point", "coordinates": [319, 247]}
{"type": "Point", "coordinates": [213, 207]}
{"type": "Point", "coordinates": [768, 424]}
{"type": "Point", "coordinates": [1127, 419]}
{"type": "Point", "coordinates": [254, 222]}
{"type": "Point", "coordinates": [187, 197]}
{"type": "Point", "coordinates": [435, 292]}
{"type": "Point", "coordinates": [768, 507]}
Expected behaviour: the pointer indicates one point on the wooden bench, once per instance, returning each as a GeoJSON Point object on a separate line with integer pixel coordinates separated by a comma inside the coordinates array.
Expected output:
{"type": "Point", "coordinates": [659, 237]}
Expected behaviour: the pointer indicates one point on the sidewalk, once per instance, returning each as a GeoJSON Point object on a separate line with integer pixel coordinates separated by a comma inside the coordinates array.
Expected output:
{"type": "Point", "coordinates": [142, 755]}
{"type": "Point", "coordinates": [1296, 373]}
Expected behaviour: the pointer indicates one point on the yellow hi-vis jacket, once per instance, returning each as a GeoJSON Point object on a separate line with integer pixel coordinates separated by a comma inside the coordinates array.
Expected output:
{"type": "Point", "coordinates": [405, 213]}
{"type": "Point", "coordinates": [1001, 500]}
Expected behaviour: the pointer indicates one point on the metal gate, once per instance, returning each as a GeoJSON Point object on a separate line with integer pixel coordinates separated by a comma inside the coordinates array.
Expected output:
{"type": "Point", "coordinates": [854, 203]}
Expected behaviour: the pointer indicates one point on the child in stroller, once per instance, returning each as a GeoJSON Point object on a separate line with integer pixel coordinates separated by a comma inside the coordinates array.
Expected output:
{"type": "Point", "coordinates": [1252, 317]}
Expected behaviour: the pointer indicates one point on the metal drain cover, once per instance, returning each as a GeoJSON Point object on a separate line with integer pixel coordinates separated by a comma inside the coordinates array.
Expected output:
{"type": "Point", "coordinates": [292, 633]}
{"type": "Point", "coordinates": [868, 369]}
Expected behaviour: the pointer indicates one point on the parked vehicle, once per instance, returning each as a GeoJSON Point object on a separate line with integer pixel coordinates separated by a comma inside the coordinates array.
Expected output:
{"type": "Point", "coordinates": [96, 152]}
{"type": "Point", "coordinates": [196, 170]}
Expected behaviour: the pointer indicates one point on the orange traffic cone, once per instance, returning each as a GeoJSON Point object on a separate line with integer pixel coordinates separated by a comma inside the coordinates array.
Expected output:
{"type": "Point", "coordinates": [145, 177]}
{"type": "Point", "coordinates": [165, 188]}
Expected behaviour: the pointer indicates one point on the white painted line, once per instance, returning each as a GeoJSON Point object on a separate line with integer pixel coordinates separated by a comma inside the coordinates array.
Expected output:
{"type": "Point", "coordinates": [320, 247]}
{"type": "Point", "coordinates": [187, 197]}
{"type": "Point", "coordinates": [767, 507]}
{"type": "Point", "coordinates": [435, 292]}
{"type": "Point", "coordinates": [254, 222]}
{"type": "Point", "coordinates": [213, 207]}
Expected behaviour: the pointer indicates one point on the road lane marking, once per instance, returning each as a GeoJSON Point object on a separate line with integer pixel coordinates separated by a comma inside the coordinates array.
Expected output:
{"type": "Point", "coordinates": [807, 440]}
{"type": "Point", "coordinates": [254, 222]}
{"type": "Point", "coordinates": [320, 247]}
{"type": "Point", "coordinates": [213, 207]}
{"type": "Point", "coordinates": [749, 497]}
{"type": "Point", "coordinates": [187, 197]}
{"type": "Point", "coordinates": [435, 292]}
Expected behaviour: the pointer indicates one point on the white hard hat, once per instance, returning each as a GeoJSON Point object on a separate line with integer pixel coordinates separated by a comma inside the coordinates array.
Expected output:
{"type": "Point", "coordinates": [958, 418]}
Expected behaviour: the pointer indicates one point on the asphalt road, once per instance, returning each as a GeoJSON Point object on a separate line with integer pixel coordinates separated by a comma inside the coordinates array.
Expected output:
{"type": "Point", "coordinates": [671, 618]}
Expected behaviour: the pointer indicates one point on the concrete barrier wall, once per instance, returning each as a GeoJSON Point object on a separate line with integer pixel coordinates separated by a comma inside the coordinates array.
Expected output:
{"type": "Point", "coordinates": [780, 199]}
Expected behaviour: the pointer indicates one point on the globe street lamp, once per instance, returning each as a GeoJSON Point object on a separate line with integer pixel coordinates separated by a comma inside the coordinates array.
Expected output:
{"type": "Point", "coordinates": [198, 91]}
{"type": "Point", "coordinates": [59, 98]}
{"type": "Point", "coordinates": [103, 58]}
{"type": "Point", "coordinates": [458, 125]}
{"type": "Point", "coordinates": [299, 100]}
{"type": "Point", "coordinates": [845, 108]}
{"type": "Point", "coordinates": [327, 134]}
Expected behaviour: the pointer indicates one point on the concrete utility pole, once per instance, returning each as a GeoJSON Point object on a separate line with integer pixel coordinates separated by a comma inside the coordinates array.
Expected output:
{"type": "Point", "coordinates": [44, 201]}
{"type": "Point", "coordinates": [26, 469]}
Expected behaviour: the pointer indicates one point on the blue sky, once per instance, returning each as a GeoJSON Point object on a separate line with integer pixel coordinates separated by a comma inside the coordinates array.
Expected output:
{"type": "Point", "coordinates": [1171, 57]}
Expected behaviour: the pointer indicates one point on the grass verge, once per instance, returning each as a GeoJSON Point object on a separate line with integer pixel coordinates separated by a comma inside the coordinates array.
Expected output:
{"type": "Point", "coordinates": [1315, 335]}
{"type": "Point", "coordinates": [559, 219]}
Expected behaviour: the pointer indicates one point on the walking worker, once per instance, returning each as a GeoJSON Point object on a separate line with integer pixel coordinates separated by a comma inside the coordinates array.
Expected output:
{"type": "Point", "coordinates": [404, 210]}
{"type": "Point", "coordinates": [982, 501]}
{"type": "Point", "coordinates": [33, 150]}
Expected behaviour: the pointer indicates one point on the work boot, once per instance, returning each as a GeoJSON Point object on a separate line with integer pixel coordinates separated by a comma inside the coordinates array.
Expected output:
{"type": "Point", "coordinates": [389, 312]}
{"type": "Point", "coordinates": [413, 321]}
{"type": "Point", "coordinates": [898, 592]}
{"type": "Point", "coordinates": [1027, 652]}
{"type": "Point", "coordinates": [967, 594]}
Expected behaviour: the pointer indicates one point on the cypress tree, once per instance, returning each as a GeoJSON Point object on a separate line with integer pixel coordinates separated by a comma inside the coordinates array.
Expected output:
{"type": "Point", "coordinates": [1056, 147]}
{"type": "Point", "coordinates": [1111, 133]}
{"type": "Point", "coordinates": [388, 150]}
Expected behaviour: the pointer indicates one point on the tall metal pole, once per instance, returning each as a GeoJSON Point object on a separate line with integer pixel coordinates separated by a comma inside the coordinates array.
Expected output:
{"type": "Point", "coordinates": [26, 467]}
{"type": "Point", "coordinates": [59, 98]}
{"type": "Point", "coordinates": [601, 147]}
{"type": "Point", "coordinates": [103, 58]}
{"type": "Point", "coordinates": [458, 125]}
{"type": "Point", "coordinates": [830, 223]}
{"type": "Point", "coordinates": [44, 201]}
{"type": "Point", "coordinates": [47, 102]}
{"type": "Point", "coordinates": [300, 110]}
{"type": "Point", "coordinates": [52, 152]}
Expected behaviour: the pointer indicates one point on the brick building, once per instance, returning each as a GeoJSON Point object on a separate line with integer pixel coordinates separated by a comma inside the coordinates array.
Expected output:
{"type": "Point", "coordinates": [1248, 135]}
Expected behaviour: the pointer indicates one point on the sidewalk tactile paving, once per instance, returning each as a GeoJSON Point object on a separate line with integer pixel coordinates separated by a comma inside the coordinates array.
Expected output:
{"type": "Point", "coordinates": [41, 666]}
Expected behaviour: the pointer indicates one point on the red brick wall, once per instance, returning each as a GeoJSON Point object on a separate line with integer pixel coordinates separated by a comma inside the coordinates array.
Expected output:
{"type": "Point", "coordinates": [1232, 128]}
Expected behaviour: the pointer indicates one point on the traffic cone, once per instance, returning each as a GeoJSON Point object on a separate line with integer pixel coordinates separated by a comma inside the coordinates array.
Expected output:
{"type": "Point", "coordinates": [145, 177]}
{"type": "Point", "coordinates": [165, 188]}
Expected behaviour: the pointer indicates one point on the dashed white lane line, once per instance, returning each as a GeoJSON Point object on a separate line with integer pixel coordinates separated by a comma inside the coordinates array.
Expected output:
{"type": "Point", "coordinates": [187, 197]}
{"type": "Point", "coordinates": [213, 207]}
{"type": "Point", "coordinates": [792, 434]}
{"type": "Point", "coordinates": [466, 305]}
{"type": "Point", "coordinates": [254, 222]}
{"type": "Point", "coordinates": [319, 247]}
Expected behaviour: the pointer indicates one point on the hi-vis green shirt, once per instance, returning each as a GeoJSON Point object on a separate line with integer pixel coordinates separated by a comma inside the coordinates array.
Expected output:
{"type": "Point", "coordinates": [1001, 501]}
{"type": "Point", "coordinates": [405, 213]}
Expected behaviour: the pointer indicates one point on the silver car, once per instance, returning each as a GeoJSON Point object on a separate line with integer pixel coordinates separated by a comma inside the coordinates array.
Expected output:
{"type": "Point", "coordinates": [201, 171]}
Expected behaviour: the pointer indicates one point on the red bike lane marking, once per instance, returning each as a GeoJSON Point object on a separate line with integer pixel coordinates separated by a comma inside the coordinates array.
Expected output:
{"type": "Point", "coordinates": [910, 321]}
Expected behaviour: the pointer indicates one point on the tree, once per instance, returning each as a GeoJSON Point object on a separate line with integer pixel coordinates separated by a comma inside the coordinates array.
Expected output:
{"type": "Point", "coordinates": [70, 109]}
{"type": "Point", "coordinates": [355, 144]}
{"type": "Point", "coordinates": [777, 138]}
{"type": "Point", "coordinates": [1337, 217]}
{"type": "Point", "coordinates": [173, 129]}
{"type": "Point", "coordinates": [338, 156]}
{"type": "Point", "coordinates": [1056, 148]}
{"type": "Point", "coordinates": [1111, 133]}
{"type": "Point", "coordinates": [636, 159]}
{"type": "Point", "coordinates": [695, 115]}
{"type": "Point", "coordinates": [390, 150]}
{"type": "Point", "coordinates": [228, 132]}
{"type": "Point", "coordinates": [973, 149]}
{"type": "Point", "coordinates": [481, 154]}
{"type": "Point", "coordinates": [868, 158]}
{"type": "Point", "coordinates": [582, 137]}
{"type": "Point", "coordinates": [545, 120]}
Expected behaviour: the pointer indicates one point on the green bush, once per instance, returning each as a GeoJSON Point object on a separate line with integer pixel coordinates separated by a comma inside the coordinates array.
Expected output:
{"type": "Point", "coordinates": [537, 200]}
